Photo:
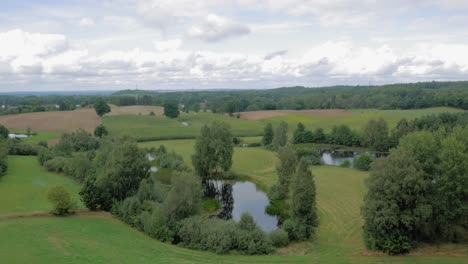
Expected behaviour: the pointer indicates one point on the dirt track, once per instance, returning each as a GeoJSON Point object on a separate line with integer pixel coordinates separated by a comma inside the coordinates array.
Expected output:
{"type": "Point", "coordinates": [256, 115]}
{"type": "Point", "coordinates": [57, 121]}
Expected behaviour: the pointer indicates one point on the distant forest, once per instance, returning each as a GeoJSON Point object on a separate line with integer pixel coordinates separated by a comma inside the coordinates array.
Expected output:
{"type": "Point", "coordinates": [394, 96]}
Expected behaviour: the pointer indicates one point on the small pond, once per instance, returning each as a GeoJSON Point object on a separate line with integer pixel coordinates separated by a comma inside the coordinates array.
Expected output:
{"type": "Point", "coordinates": [337, 157]}
{"type": "Point", "coordinates": [237, 198]}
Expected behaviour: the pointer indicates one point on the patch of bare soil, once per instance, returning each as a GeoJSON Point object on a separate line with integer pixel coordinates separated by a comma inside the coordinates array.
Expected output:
{"type": "Point", "coordinates": [257, 115]}
{"type": "Point", "coordinates": [57, 121]}
{"type": "Point", "coordinates": [135, 110]}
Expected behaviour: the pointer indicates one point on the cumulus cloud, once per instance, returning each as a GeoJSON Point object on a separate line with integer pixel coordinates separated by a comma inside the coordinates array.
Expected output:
{"type": "Point", "coordinates": [215, 28]}
{"type": "Point", "coordinates": [87, 21]}
{"type": "Point", "coordinates": [26, 56]}
{"type": "Point", "coordinates": [278, 53]}
{"type": "Point", "coordinates": [166, 45]}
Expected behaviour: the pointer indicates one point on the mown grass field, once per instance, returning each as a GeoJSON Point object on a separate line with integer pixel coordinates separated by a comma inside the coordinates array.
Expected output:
{"type": "Point", "coordinates": [24, 188]}
{"type": "Point", "coordinates": [159, 127]}
{"type": "Point", "coordinates": [103, 239]}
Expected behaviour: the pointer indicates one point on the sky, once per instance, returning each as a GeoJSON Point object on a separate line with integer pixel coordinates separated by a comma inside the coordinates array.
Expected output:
{"type": "Point", "coordinates": [236, 44]}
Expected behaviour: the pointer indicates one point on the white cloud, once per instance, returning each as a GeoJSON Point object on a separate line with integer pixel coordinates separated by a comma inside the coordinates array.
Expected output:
{"type": "Point", "coordinates": [87, 21]}
{"type": "Point", "coordinates": [215, 28]}
{"type": "Point", "coordinates": [167, 45]}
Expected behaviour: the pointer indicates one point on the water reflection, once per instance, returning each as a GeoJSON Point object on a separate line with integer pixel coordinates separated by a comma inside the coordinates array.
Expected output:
{"type": "Point", "coordinates": [337, 157]}
{"type": "Point", "coordinates": [237, 198]}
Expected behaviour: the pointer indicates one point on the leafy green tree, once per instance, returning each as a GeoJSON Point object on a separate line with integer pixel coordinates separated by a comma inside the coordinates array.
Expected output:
{"type": "Point", "coordinates": [280, 137]}
{"type": "Point", "coordinates": [171, 109]}
{"type": "Point", "coordinates": [213, 149]}
{"type": "Point", "coordinates": [423, 146]}
{"type": "Point", "coordinates": [303, 211]}
{"type": "Point", "coordinates": [100, 131]}
{"type": "Point", "coordinates": [319, 136]}
{"type": "Point", "coordinates": [376, 135]}
{"type": "Point", "coordinates": [3, 156]}
{"type": "Point", "coordinates": [363, 162]}
{"type": "Point", "coordinates": [267, 134]}
{"type": "Point", "coordinates": [101, 107]}
{"type": "Point", "coordinates": [298, 136]}
{"type": "Point", "coordinates": [397, 203]}
{"type": "Point", "coordinates": [61, 200]}
{"type": "Point", "coordinates": [184, 198]}
{"type": "Point", "coordinates": [120, 167]}
{"type": "Point", "coordinates": [286, 169]}
{"type": "Point", "coordinates": [451, 198]}
{"type": "Point", "coordinates": [4, 132]}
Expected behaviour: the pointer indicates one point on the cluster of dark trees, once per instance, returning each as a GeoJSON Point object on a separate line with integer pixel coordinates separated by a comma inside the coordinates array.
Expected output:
{"type": "Point", "coordinates": [275, 139]}
{"type": "Point", "coordinates": [419, 193]}
{"type": "Point", "coordinates": [396, 96]}
{"type": "Point", "coordinates": [293, 197]}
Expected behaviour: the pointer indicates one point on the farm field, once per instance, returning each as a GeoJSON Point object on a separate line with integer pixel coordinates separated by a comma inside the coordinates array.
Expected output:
{"type": "Point", "coordinates": [24, 187]}
{"type": "Point", "coordinates": [55, 122]}
{"type": "Point", "coordinates": [135, 110]}
{"type": "Point", "coordinates": [147, 128]}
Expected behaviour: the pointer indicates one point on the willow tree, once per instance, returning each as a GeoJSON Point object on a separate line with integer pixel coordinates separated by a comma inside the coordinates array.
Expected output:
{"type": "Point", "coordinates": [213, 150]}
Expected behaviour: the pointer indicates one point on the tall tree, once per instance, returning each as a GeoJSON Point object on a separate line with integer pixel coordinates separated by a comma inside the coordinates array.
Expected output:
{"type": "Point", "coordinates": [303, 211]}
{"type": "Point", "coordinates": [286, 169]}
{"type": "Point", "coordinates": [3, 156]}
{"type": "Point", "coordinates": [267, 134]}
{"type": "Point", "coordinates": [213, 149]}
{"type": "Point", "coordinates": [101, 107]}
{"type": "Point", "coordinates": [451, 197]}
{"type": "Point", "coordinates": [396, 204]}
{"type": "Point", "coordinates": [376, 135]}
{"type": "Point", "coordinates": [298, 136]}
{"type": "Point", "coordinates": [171, 109]}
{"type": "Point", "coordinates": [280, 137]}
{"type": "Point", "coordinates": [184, 198]}
{"type": "Point", "coordinates": [4, 132]}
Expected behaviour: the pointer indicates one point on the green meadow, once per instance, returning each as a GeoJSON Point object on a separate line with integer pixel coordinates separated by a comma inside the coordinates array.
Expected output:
{"type": "Point", "coordinates": [147, 128]}
{"type": "Point", "coordinates": [24, 188]}
{"type": "Point", "coordinates": [102, 238]}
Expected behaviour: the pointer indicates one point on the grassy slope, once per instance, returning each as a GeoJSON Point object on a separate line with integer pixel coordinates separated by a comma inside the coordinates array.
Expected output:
{"type": "Point", "coordinates": [157, 128]}
{"type": "Point", "coordinates": [24, 188]}
{"type": "Point", "coordinates": [106, 240]}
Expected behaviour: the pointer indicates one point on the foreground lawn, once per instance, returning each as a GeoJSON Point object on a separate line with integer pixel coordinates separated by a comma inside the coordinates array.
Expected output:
{"type": "Point", "coordinates": [146, 128]}
{"type": "Point", "coordinates": [24, 188]}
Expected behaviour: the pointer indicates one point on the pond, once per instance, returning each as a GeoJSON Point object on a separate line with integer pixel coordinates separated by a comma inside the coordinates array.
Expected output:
{"type": "Point", "coordinates": [237, 198]}
{"type": "Point", "coordinates": [337, 157]}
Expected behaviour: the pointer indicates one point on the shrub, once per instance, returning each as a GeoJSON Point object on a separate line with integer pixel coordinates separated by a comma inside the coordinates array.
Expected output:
{"type": "Point", "coordinates": [279, 238]}
{"type": "Point", "coordinates": [44, 155]}
{"type": "Point", "coordinates": [56, 164]}
{"type": "Point", "coordinates": [155, 225]}
{"type": "Point", "coordinates": [345, 164]}
{"type": "Point", "coordinates": [3, 157]}
{"type": "Point", "coordinates": [22, 148]}
{"type": "Point", "coordinates": [61, 200]}
{"type": "Point", "coordinates": [223, 236]}
{"type": "Point", "coordinates": [100, 131]}
{"type": "Point", "coordinates": [363, 162]}
{"type": "Point", "coordinates": [128, 210]}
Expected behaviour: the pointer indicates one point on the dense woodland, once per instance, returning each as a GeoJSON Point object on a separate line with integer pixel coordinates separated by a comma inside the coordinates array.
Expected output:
{"type": "Point", "coordinates": [397, 96]}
